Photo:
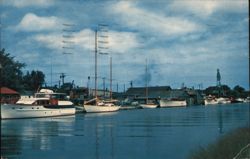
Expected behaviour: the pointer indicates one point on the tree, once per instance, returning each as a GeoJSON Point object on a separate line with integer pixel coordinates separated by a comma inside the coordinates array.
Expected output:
{"type": "Point", "coordinates": [223, 90]}
{"type": "Point", "coordinates": [34, 80]}
{"type": "Point", "coordinates": [239, 92]}
{"type": "Point", "coordinates": [11, 74]}
{"type": "Point", "coordinates": [239, 89]}
{"type": "Point", "coordinates": [212, 90]}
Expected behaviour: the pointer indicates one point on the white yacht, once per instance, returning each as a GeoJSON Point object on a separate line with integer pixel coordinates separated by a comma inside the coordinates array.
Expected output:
{"type": "Point", "coordinates": [223, 100]}
{"type": "Point", "coordinates": [210, 100]}
{"type": "Point", "coordinates": [172, 103]}
{"type": "Point", "coordinates": [46, 103]}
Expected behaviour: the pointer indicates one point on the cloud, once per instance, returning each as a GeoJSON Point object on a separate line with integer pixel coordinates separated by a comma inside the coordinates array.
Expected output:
{"type": "Point", "coordinates": [117, 42]}
{"type": "Point", "coordinates": [27, 3]}
{"type": "Point", "coordinates": [32, 22]}
{"type": "Point", "coordinates": [52, 41]}
{"type": "Point", "coordinates": [121, 42]}
{"type": "Point", "coordinates": [139, 18]}
{"type": "Point", "coordinates": [208, 7]}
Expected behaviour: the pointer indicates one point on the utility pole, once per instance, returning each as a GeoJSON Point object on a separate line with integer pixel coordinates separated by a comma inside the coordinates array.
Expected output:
{"type": "Point", "coordinates": [117, 87]}
{"type": "Point", "coordinates": [110, 78]}
{"type": "Point", "coordinates": [104, 85]}
{"type": "Point", "coordinates": [146, 81]}
{"type": "Point", "coordinates": [51, 71]}
{"type": "Point", "coordinates": [88, 86]}
{"type": "Point", "coordinates": [62, 76]}
{"type": "Point", "coordinates": [96, 64]}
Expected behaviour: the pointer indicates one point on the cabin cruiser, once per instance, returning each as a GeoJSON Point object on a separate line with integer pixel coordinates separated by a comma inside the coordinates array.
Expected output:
{"type": "Point", "coordinates": [222, 100]}
{"type": "Point", "coordinates": [211, 100]}
{"type": "Point", "coordinates": [45, 103]}
{"type": "Point", "coordinates": [173, 103]}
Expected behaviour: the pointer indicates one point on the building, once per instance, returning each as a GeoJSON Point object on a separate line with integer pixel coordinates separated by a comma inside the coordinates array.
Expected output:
{"type": "Point", "coordinates": [153, 92]}
{"type": "Point", "coordinates": [78, 95]}
{"type": "Point", "coordinates": [9, 96]}
{"type": "Point", "coordinates": [193, 97]}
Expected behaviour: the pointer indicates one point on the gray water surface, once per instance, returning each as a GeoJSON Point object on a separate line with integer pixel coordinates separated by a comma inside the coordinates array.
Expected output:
{"type": "Point", "coordinates": [160, 133]}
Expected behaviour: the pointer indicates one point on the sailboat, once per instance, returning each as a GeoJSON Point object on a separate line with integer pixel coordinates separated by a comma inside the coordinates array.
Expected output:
{"type": "Point", "coordinates": [147, 104]}
{"type": "Point", "coordinates": [96, 105]}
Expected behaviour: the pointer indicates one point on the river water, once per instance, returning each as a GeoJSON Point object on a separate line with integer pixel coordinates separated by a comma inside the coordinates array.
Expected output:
{"type": "Point", "coordinates": [159, 133]}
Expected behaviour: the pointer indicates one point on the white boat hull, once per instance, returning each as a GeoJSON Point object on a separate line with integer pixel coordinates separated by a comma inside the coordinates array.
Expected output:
{"type": "Point", "coordinates": [148, 106]}
{"type": "Point", "coordinates": [223, 101]}
{"type": "Point", "coordinates": [100, 108]}
{"type": "Point", "coordinates": [172, 103]}
{"type": "Point", "coordinates": [14, 111]}
{"type": "Point", "coordinates": [210, 102]}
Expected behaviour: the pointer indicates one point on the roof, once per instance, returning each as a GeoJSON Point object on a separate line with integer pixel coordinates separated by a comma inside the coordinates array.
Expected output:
{"type": "Point", "coordinates": [5, 90]}
{"type": "Point", "coordinates": [156, 92]}
{"type": "Point", "coordinates": [141, 90]}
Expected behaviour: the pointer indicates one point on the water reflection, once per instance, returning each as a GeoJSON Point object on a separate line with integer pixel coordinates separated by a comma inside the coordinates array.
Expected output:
{"type": "Point", "coordinates": [220, 119]}
{"type": "Point", "coordinates": [158, 133]}
{"type": "Point", "coordinates": [35, 134]}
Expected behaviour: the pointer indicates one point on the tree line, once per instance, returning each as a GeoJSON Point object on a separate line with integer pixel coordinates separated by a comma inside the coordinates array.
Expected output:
{"type": "Point", "coordinates": [13, 77]}
{"type": "Point", "coordinates": [226, 91]}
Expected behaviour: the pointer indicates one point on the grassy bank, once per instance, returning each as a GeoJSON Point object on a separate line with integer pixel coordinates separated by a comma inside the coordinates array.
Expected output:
{"type": "Point", "coordinates": [227, 147]}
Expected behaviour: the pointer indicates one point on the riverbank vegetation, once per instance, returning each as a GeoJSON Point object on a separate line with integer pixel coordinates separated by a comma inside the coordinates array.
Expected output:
{"type": "Point", "coordinates": [13, 77]}
{"type": "Point", "coordinates": [227, 147]}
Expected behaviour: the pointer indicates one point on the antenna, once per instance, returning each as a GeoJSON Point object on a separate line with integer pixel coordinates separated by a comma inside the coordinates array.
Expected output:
{"type": "Point", "coordinates": [103, 49]}
{"type": "Point", "coordinates": [68, 38]}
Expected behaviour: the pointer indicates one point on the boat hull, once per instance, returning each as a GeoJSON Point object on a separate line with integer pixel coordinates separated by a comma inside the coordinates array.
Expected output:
{"type": "Point", "coordinates": [172, 103]}
{"type": "Point", "coordinates": [99, 109]}
{"type": "Point", "coordinates": [211, 102]}
{"type": "Point", "coordinates": [148, 106]}
{"type": "Point", "coordinates": [15, 111]}
{"type": "Point", "coordinates": [223, 101]}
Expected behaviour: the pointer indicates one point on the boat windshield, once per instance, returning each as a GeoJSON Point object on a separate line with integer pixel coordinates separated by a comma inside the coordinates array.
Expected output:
{"type": "Point", "coordinates": [42, 95]}
{"type": "Point", "coordinates": [58, 96]}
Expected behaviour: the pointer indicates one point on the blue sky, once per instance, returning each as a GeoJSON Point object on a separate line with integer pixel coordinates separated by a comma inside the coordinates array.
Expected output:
{"type": "Point", "coordinates": [184, 41]}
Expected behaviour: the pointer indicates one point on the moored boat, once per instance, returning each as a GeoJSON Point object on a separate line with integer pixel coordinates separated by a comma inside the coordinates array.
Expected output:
{"type": "Point", "coordinates": [237, 100]}
{"type": "Point", "coordinates": [150, 106]}
{"type": "Point", "coordinates": [222, 100]}
{"type": "Point", "coordinates": [247, 100]}
{"type": "Point", "coordinates": [147, 104]}
{"type": "Point", "coordinates": [95, 105]}
{"type": "Point", "coordinates": [173, 103]}
{"type": "Point", "coordinates": [101, 106]}
{"type": "Point", "coordinates": [210, 100]}
{"type": "Point", "coordinates": [43, 104]}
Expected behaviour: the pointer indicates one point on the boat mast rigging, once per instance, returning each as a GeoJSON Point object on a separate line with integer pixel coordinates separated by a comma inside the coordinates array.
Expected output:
{"type": "Point", "coordinates": [146, 93]}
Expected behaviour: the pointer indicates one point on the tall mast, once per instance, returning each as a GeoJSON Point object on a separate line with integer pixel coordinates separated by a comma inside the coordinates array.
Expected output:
{"type": "Point", "coordinates": [110, 78]}
{"type": "Point", "coordinates": [96, 64]}
{"type": "Point", "coordinates": [146, 81]}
